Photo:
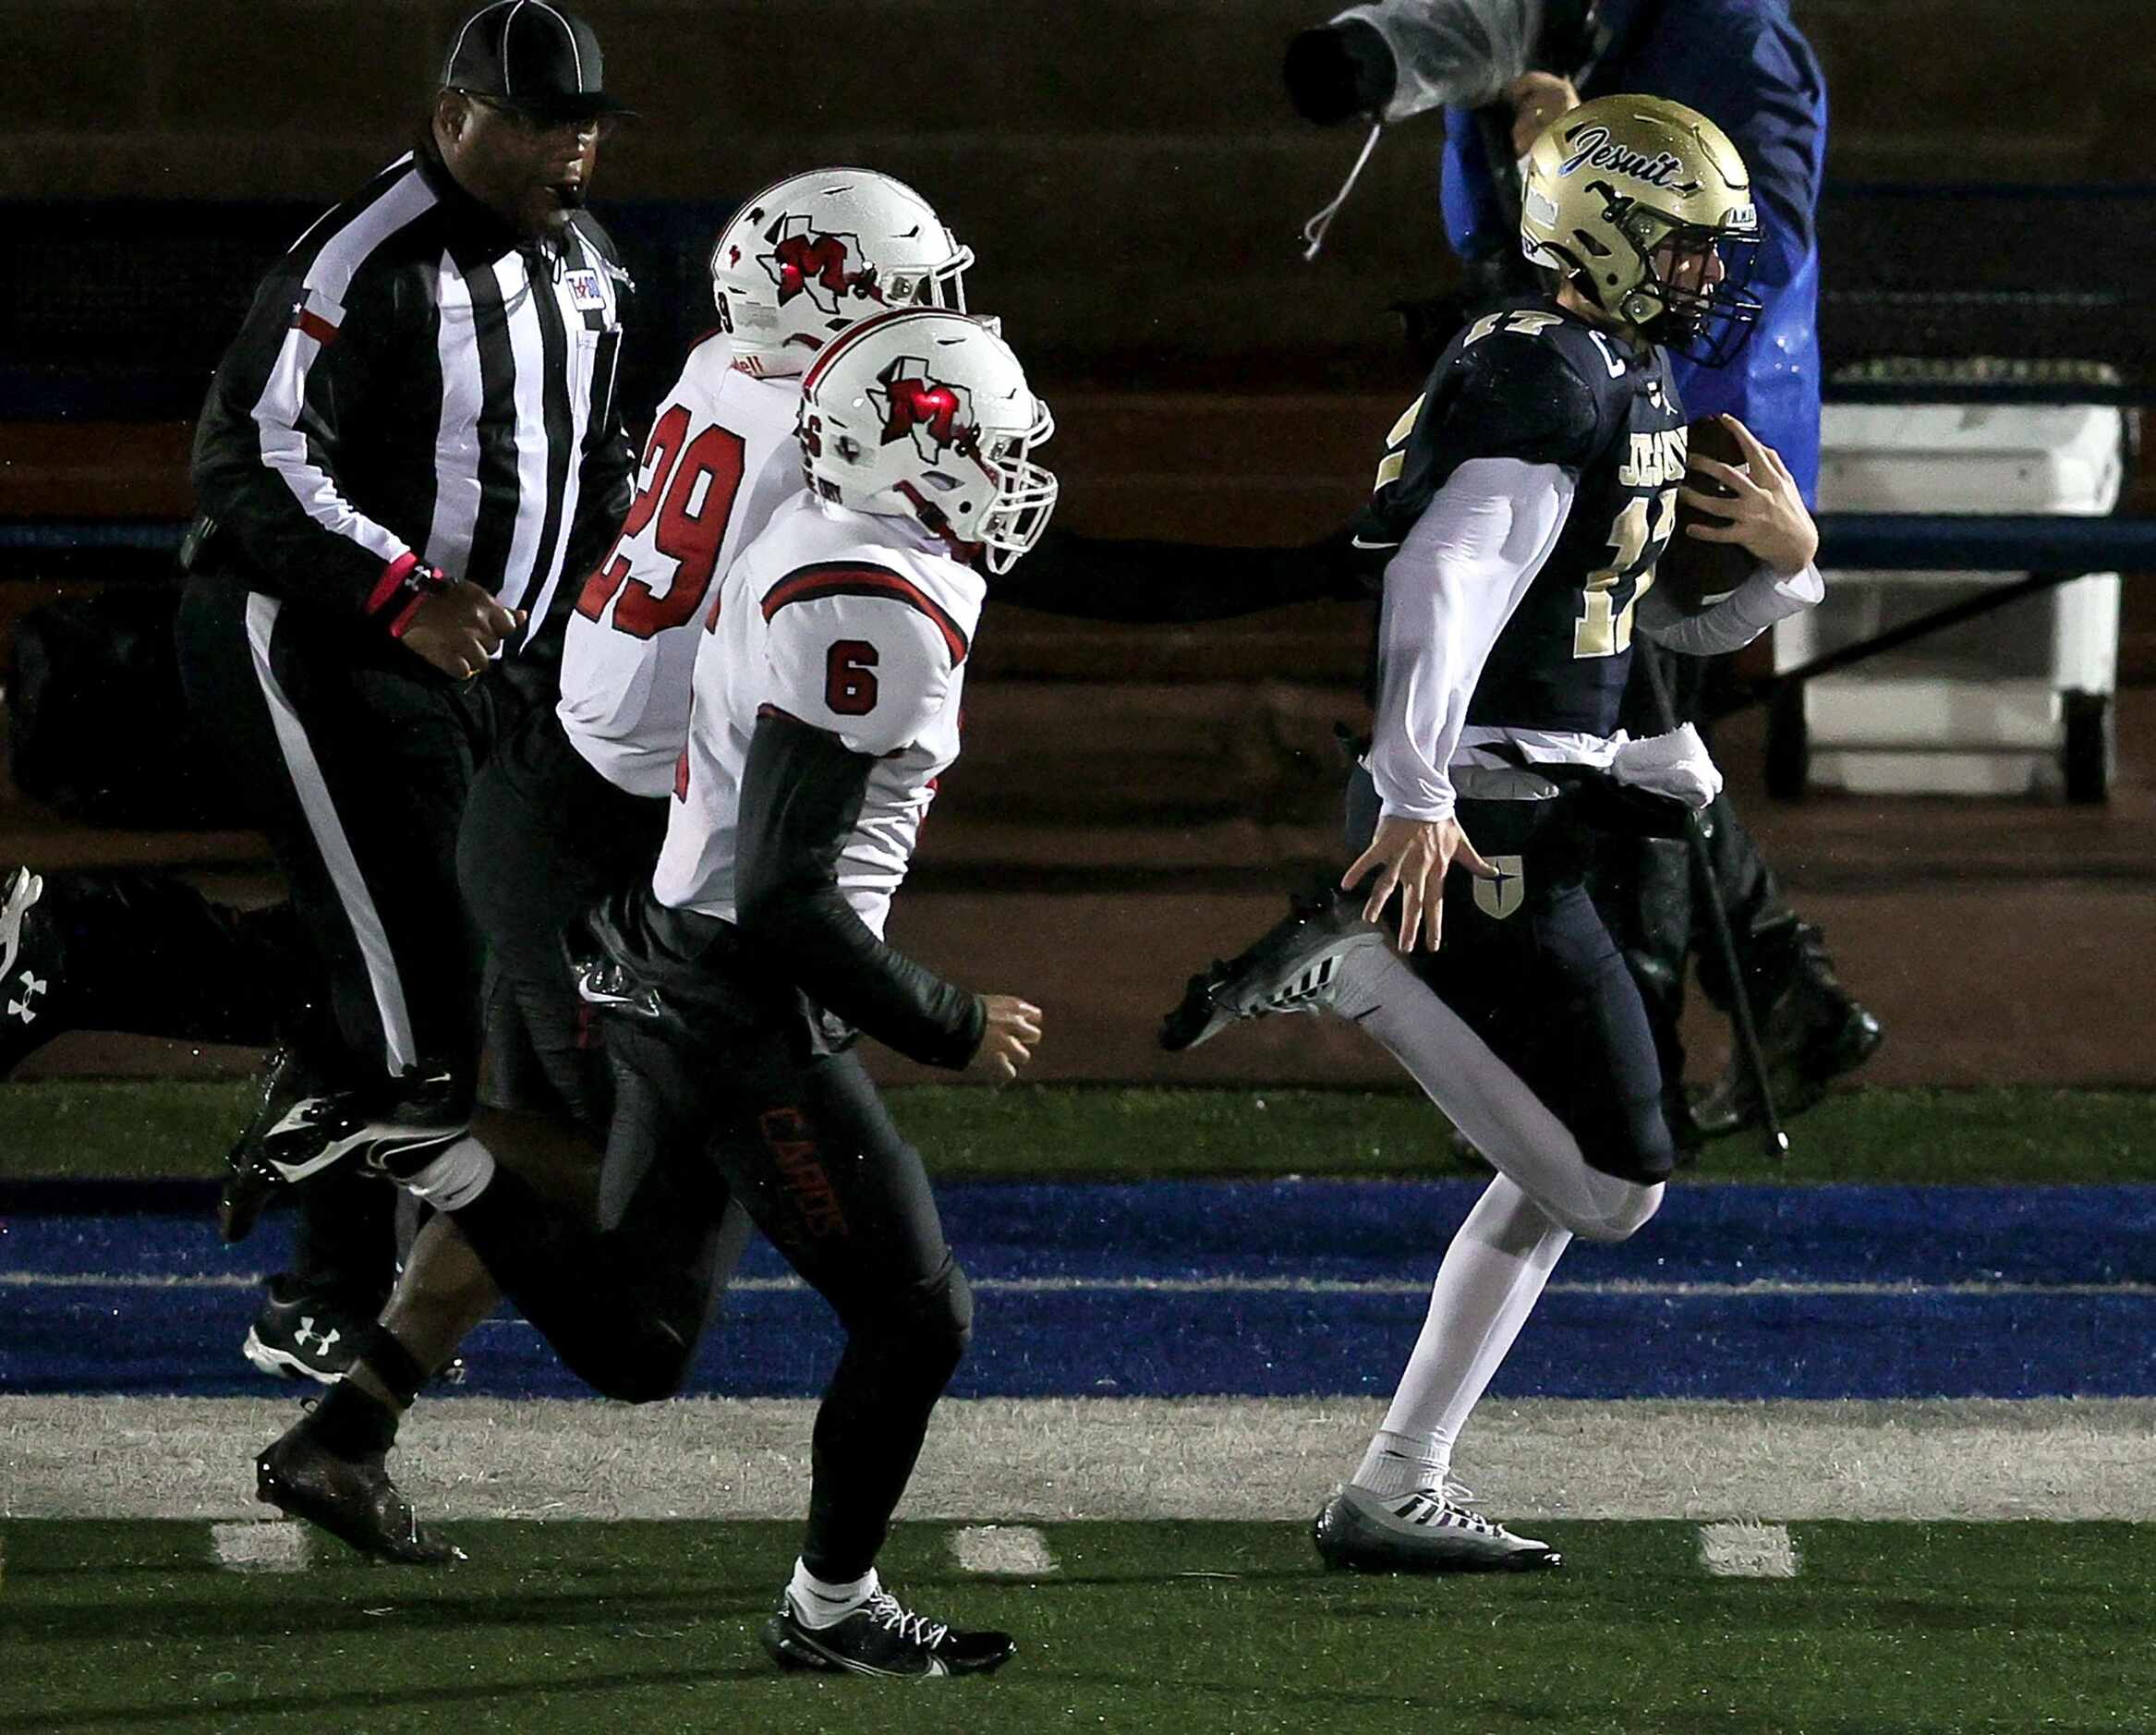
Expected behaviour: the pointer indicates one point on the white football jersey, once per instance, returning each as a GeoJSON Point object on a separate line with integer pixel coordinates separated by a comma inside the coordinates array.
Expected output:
{"type": "Point", "coordinates": [849, 622]}
{"type": "Point", "coordinates": [721, 457]}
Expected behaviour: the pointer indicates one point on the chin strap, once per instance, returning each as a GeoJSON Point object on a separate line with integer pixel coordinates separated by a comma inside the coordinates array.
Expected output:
{"type": "Point", "coordinates": [1313, 231]}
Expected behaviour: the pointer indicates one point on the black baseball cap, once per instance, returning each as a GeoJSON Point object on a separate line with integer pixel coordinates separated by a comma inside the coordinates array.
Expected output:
{"type": "Point", "coordinates": [532, 56]}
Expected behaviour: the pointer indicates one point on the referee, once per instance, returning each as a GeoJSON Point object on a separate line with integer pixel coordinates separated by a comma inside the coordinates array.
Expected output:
{"type": "Point", "coordinates": [409, 456]}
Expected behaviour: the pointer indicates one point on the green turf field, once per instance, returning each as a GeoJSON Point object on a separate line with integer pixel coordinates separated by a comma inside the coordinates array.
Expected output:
{"type": "Point", "coordinates": [1197, 1627]}
{"type": "Point", "coordinates": [72, 1128]}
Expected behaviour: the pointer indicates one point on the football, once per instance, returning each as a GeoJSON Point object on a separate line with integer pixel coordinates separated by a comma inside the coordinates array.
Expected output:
{"type": "Point", "coordinates": [1694, 573]}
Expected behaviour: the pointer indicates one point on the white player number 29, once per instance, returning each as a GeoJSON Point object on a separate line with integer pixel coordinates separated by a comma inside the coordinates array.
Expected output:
{"type": "Point", "coordinates": [1603, 628]}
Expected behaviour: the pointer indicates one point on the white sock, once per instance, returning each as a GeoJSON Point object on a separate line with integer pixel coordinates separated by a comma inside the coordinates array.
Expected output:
{"type": "Point", "coordinates": [819, 1603]}
{"type": "Point", "coordinates": [1486, 1100]}
{"type": "Point", "coordinates": [457, 1177]}
{"type": "Point", "coordinates": [1494, 1273]}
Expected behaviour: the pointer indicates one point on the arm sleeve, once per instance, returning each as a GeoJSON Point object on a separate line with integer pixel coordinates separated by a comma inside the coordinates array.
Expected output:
{"type": "Point", "coordinates": [1738, 618]}
{"type": "Point", "coordinates": [1447, 595]}
{"type": "Point", "coordinates": [1100, 578]}
{"type": "Point", "coordinates": [270, 453]}
{"type": "Point", "coordinates": [801, 796]}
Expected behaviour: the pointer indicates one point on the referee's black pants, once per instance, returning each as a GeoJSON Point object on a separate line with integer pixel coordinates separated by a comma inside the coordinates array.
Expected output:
{"type": "Point", "coordinates": [355, 758]}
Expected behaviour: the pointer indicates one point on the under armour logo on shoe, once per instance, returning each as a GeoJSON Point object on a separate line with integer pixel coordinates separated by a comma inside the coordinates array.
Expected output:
{"type": "Point", "coordinates": [1310, 984]}
{"type": "Point", "coordinates": [321, 1341]}
{"type": "Point", "coordinates": [32, 985]}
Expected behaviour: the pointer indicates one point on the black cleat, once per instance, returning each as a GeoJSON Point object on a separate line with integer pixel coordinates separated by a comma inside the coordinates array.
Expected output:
{"type": "Point", "coordinates": [300, 1336]}
{"type": "Point", "coordinates": [352, 1498]}
{"type": "Point", "coordinates": [1294, 968]}
{"type": "Point", "coordinates": [883, 1638]}
{"type": "Point", "coordinates": [393, 1128]}
{"type": "Point", "coordinates": [1431, 1530]}
{"type": "Point", "coordinates": [30, 971]}
{"type": "Point", "coordinates": [284, 1082]}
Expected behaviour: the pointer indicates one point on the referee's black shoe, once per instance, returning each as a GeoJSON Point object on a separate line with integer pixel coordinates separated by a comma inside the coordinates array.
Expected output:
{"type": "Point", "coordinates": [883, 1637]}
{"type": "Point", "coordinates": [353, 1498]}
{"type": "Point", "coordinates": [393, 1128]}
{"type": "Point", "coordinates": [301, 1334]}
{"type": "Point", "coordinates": [1293, 967]}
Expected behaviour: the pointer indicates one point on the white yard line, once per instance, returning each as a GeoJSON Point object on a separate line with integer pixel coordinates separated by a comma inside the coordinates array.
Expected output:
{"type": "Point", "coordinates": [991, 1460]}
{"type": "Point", "coordinates": [1741, 1549]}
{"type": "Point", "coordinates": [1002, 1550]}
{"type": "Point", "coordinates": [257, 1547]}
{"type": "Point", "coordinates": [1228, 1286]}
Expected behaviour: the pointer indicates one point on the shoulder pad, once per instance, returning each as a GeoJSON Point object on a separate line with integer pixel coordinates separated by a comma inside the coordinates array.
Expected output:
{"type": "Point", "coordinates": [858, 649]}
{"type": "Point", "coordinates": [1522, 394]}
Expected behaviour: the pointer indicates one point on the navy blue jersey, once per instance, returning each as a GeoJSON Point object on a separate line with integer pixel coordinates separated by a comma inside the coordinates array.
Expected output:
{"type": "Point", "coordinates": [1534, 383]}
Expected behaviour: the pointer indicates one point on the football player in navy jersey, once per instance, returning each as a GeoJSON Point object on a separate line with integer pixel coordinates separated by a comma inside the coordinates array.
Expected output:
{"type": "Point", "coordinates": [1520, 510]}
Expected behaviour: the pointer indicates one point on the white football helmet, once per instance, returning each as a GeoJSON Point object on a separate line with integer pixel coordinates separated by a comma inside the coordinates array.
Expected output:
{"type": "Point", "coordinates": [806, 258]}
{"type": "Point", "coordinates": [926, 414]}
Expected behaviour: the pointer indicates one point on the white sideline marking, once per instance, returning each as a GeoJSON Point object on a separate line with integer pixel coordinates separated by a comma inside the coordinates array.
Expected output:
{"type": "Point", "coordinates": [272, 1546]}
{"type": "Point", "coordinates": [1004, 1551]}
{"type": "Point", "coordinates": [1221, 1286]}
{"type": "Point", "coordinates": [1748, 1551]}
{"type": "Point", "coordinates": [1055, 1459]}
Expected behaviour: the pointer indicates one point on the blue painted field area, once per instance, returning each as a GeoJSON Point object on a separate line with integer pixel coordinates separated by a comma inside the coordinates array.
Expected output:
{"type": "Point", "coordinates": [1282, 1289]}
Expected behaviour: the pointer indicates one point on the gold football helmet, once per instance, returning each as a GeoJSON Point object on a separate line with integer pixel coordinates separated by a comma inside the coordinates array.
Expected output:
{"type": "Point", "coordinates": [1645, 207]}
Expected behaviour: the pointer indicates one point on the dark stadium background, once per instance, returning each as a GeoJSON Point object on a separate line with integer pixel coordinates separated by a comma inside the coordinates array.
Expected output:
{"type": "Point", "coordinates": [1132, 180]}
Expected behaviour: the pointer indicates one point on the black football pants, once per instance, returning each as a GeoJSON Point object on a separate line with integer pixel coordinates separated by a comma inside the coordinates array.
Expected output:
{"type": "Point", "coordinates": [544, 835]}
{"type": "Point", "coordinates": [804, 1141]}
{"type": "Point", "coordinates": [354, 758]}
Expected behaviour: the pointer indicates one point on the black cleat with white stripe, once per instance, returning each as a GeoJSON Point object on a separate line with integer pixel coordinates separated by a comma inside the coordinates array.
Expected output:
{"type": "Point", "coordinates": [883, 1637]}
{"type": "Point", "coordinates": [394, 1128]}
{"type": "Point", "coordinates": [1430, 1530]}
{"type": "Point", "coordinates": [1293, 967]}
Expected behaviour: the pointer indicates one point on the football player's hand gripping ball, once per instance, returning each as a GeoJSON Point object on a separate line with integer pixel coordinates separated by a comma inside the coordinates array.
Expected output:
{"type": "Point", "coordinates": [1763, 511]}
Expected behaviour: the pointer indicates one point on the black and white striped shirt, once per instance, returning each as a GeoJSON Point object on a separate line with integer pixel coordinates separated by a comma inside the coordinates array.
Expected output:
{"type": "Point", "coordinates": [412, 377]}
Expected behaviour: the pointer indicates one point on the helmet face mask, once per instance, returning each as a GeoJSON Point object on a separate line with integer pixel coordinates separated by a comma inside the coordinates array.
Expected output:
{"type": "Point", "coordinates": [807, 257]}
{"type": "Point", "coordinates": [1644, 207]}
{"type": "Point", "coordinates": [1702, 279]}
{"type": "Point", "coordinates": [926, 414]}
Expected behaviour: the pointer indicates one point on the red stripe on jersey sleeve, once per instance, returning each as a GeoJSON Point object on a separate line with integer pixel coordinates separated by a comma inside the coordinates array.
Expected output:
{"type": "Point", "coordinates": [305, 319]}
{"type": "Point", "coordinates": [841, 578]}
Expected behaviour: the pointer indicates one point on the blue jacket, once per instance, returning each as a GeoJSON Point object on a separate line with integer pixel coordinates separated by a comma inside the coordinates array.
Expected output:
{"type": "Point", "coordinates": [1745, 66]}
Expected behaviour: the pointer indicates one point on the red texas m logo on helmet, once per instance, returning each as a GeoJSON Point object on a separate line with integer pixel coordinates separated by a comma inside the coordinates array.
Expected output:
{"type": "Point", "coordinates": [913, 404]}
{"type": "Point", "coordinates": [802, 262]}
